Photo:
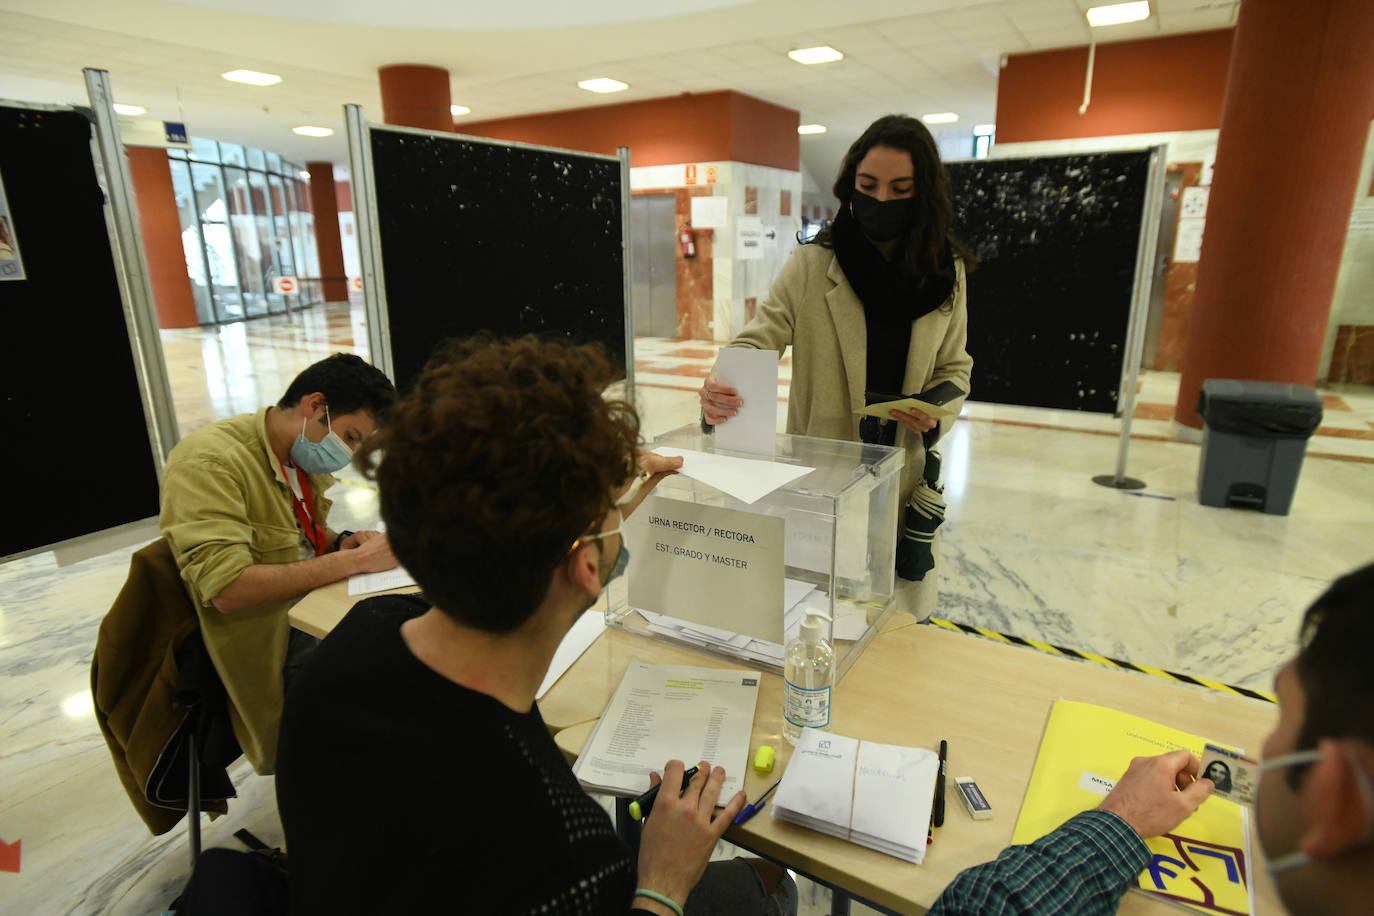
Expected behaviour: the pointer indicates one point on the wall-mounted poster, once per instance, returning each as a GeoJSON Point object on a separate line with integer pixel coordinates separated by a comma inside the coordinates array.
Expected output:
{"type": "Point", "coordinates": [11, 264]}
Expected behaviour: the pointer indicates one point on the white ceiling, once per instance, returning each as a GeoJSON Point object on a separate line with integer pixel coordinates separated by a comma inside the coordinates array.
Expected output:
{"type": "Point", "coordinates": [525, 56]}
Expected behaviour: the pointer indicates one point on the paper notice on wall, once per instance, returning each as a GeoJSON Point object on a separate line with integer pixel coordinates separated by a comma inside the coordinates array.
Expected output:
{"type": "Point", "coordinates": [1194, 202]}
{"type": "Point", "coordinates": [11, 264]}
{"type": "Point", "coordinates": [1209, 164]}
{"type": "Point", "coordinates": [709, 212]}
{"type": "Point", "coordinates": [1188, 242]}
{"type": "Point", "coordinates": [750, 239]}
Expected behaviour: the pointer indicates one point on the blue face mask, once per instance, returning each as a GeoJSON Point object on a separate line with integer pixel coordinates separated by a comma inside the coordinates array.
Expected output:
{"type": "Point", "coordinates": [328, 455]}
{"type": "Point", "coordinates": [622, 560]}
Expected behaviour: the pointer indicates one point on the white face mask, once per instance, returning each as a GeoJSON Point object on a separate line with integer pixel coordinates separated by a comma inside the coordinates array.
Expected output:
{"type": "Point", "coordinates": [1297, 858]}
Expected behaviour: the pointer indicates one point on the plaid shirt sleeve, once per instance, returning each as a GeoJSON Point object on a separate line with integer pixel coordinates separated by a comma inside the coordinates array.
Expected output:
{"type": "Point", "coordinates": [1083, 867]}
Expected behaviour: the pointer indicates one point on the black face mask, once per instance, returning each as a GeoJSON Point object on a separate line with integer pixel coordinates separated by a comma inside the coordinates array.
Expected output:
{"type": "Point", "coordinates": [881, 220]}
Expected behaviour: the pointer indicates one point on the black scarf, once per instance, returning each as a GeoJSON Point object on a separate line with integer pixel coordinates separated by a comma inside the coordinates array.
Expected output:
{"type": "Point", "coordinates": [892, 299]}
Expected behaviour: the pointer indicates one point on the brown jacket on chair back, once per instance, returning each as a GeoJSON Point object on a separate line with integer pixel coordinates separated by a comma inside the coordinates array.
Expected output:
{"type": "Point", "coordinates": [135, 678]}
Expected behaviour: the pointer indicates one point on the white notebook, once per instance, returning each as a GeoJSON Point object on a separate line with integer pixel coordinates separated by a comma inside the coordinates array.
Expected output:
{"type": "Point", "coordinates": [876, 795]}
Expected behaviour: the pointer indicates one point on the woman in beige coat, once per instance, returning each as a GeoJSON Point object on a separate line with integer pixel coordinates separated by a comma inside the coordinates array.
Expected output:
{"type": "Point", "coordinates": [876, 303]}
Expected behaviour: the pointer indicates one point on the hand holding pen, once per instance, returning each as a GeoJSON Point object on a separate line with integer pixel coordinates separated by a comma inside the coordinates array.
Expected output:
{"type": "Point", "coordinates": [679, 837]}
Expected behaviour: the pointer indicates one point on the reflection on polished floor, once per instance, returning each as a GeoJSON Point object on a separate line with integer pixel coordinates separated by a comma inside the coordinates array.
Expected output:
{"type": "Point", "coordinates": [1031, 547]}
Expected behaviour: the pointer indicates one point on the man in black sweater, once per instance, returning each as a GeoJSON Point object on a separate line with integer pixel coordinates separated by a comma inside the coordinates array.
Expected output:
{"type": "Point", "coordinates": [414, 772]}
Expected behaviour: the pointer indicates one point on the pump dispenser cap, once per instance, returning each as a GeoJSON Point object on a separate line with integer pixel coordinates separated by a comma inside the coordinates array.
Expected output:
{"type": "Point", "coordinates": [812, 630]}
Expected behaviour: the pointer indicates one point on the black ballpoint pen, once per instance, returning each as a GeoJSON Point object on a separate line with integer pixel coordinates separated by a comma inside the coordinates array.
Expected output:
{"type": "Point", "coordinates": [939, 813]}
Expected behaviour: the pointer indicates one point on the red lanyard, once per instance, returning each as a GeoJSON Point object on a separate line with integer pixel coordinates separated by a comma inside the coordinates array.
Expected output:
{"type": "Point", "coordinates": [313, 532]}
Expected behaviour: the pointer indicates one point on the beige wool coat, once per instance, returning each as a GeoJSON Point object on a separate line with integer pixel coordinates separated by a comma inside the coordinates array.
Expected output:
{"type": "Point", "coordinates": [812, 308]}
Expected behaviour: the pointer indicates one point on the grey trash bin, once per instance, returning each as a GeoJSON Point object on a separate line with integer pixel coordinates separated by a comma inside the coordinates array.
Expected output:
{"type": "Point", "coordinates": [1254, 436]}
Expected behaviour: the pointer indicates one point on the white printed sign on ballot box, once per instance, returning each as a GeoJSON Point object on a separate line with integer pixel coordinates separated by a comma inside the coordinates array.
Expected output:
{"type": "Point", "coordinates": [707, 564]}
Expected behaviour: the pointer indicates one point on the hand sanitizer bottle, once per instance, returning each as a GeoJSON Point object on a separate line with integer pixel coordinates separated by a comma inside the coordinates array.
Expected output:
{"type": "Point", "coordinates": [808, 673]}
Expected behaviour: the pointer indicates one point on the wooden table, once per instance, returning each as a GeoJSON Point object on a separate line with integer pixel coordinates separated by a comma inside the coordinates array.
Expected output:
{"type": "Point", "coordinates": [914, 685]}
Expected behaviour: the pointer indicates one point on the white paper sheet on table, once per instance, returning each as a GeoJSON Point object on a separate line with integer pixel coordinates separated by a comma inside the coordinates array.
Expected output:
{"type": "Point", "coordinates": [754, 374]}
{"type": "Point", "coordinates": [367, 583]}
{"type": "Point", "coordinates": [745, 479]}
{"type": "Point", "coordinates": [577, 641]}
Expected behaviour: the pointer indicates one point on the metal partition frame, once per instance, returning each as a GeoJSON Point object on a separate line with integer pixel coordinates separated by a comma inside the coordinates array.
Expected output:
{"type": "Point", "coordinates": [130, 260]}
{"type": "Point", "coordinates": [1140, 306]}
{"type": "Point", "coordinates": [370, 260]}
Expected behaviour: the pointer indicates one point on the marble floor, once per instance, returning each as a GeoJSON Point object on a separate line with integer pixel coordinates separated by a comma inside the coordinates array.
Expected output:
{"type": "Point", "coordinates": [1031, 547]}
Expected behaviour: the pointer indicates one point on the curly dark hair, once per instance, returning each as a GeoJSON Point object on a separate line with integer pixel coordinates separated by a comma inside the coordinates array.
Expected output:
{"type": "Point", "coordinates": [1333, 663]}
{"type": "Point", "coordinates": [348, 384]}
{"type": "Point", "coordinates": [923, 249]}
{"type": "Point", "coordinates": [501, 456]}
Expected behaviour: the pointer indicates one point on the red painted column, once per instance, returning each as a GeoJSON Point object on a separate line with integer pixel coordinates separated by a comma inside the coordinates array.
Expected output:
{"type": "Point", "coordinates": [160, 225]}
{"type": "Point", "coordinates": [1299, 98]}
{"type": "Point", "coordinates": [325, 205]}
{"type": "Point", "coordinates": [416, 95]}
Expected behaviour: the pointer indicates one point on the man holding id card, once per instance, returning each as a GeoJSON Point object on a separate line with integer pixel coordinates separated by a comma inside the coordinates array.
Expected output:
{"type": "Point", "coordinates": [1312, 793]}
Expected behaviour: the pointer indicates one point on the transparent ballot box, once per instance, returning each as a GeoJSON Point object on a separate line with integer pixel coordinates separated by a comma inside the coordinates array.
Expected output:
{"type": "Point", "coordinates": [735, 578]}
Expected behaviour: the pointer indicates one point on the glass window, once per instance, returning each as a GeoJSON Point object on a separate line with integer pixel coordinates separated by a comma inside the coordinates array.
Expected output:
{"type": "Point", "coordinates": [256, 160]}
{"type": "Point", "coordinates": [262, 222]}
{"type": "Point", "coordinates": [219, 247]}
{"type": "Point", "coordinates": [176, 153]}
{"type": "Point", "coordinates": [281, 228]}
{"type": "Point", "coordinates": [303, 242]}
{"type": "Point", "coordinates": [253, 270]}
{"type": "Point", "coordinates": [274, 163]}
{"type": "Point", "coordinates": [231, 154]}
{"type": "Point", "coordinates": [204, 150]}
{"type": "Point", "coordinates": [191, 245]}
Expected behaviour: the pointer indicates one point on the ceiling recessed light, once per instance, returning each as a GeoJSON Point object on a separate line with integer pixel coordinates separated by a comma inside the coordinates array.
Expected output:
{"type": "Point", "coordinates": [132, 111]}
{"type": "Point", "coordinates": [811, 129]}
{"type": "Point", "coordinates": [603, 84]}
{"type": "Point", "coordinates": [252, 77]}
{"type": "Point", "coordinates": [1118, 13]}
{"type": "Point", "coordinates": [309, 130]}
{"type": "Point", "coordinates": [822, 55]}
{"type": "Point", "coordinates": [940, 117]}
{"type": "Point", "coordinates": [984, 130]}
{"type": "Point", "coordinates": [457, 110]}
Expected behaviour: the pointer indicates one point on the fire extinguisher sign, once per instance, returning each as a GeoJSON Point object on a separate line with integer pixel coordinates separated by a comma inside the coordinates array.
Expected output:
{"type": "Point", "coordinates": [691, 174]}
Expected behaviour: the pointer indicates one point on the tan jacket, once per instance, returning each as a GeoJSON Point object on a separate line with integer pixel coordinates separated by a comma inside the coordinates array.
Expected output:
{"type": "Point", "coordinates": [135, 676]}
{"type": "Point", "coordinates": [812, 308]}
{"type": "Point", "coordinates": [226, 506]}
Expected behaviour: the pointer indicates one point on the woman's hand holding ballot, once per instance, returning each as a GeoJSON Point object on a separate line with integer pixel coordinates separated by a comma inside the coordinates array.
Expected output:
{"type": "Point", "coordinates": [681, 831]}
{"type": "Point", "coordinates": [916, 421]}
{"type": "Point", "coordinates": [718, 402]}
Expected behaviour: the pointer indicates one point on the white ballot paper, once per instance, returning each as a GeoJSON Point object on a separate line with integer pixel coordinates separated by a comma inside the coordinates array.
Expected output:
{"type": "Point", "coordinates": [671, 712]}
{"type": "Point", "coordinates": [575, 642]}
{"type": "Point", "coordinates": [367, 583]}
{"type": "Point", "coordinates": [745, 479]}
{"type": "Point", "coordinates": [876, 795]}
{"type": "Point", "coordinates": [754, 374]}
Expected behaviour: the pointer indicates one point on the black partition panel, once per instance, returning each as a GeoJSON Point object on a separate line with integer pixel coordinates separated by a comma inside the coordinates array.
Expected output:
{"type": "Point", "coordinates": [1050, 303]}
{"type": "Point", "coordinates": [78, 457]}
{"type": "Point", "coordinates": [483, 237]}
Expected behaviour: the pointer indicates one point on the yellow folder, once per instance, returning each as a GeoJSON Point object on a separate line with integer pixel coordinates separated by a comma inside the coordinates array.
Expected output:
{"type": "Point", "coordinates": [1205, 864]}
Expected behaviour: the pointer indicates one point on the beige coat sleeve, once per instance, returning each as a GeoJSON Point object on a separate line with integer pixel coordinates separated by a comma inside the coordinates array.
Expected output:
{"type": "Point", "coordinates": [952, 362]}
{"type": "Point", "coordinates": [776, 320]}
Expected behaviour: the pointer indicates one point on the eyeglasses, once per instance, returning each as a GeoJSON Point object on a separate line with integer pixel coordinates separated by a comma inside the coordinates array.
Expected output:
{"type": "Point", "coordinates": [623, 500]}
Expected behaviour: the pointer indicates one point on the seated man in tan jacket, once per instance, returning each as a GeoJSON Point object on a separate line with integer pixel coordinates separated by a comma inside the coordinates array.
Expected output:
{"type": "Point", "coordinates": [244, 511]}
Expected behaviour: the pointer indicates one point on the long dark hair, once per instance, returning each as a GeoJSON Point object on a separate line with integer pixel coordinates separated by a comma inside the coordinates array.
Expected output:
{"type": "Point", "coordinates": [923, 249]}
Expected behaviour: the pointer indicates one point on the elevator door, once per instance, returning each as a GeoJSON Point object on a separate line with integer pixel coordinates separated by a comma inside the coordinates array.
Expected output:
{"type": "Point", "coordinates": [653, 228]}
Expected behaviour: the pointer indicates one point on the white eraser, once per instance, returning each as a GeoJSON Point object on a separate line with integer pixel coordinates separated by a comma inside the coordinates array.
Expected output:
{"type": "Point", "coordinates": [974, 801]}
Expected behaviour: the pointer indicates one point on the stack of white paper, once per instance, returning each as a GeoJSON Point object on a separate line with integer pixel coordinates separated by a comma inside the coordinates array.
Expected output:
{"type": "Point", "coordinates": [850, 622]}
{"type": "Point", "coordinates": [876, 795]}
